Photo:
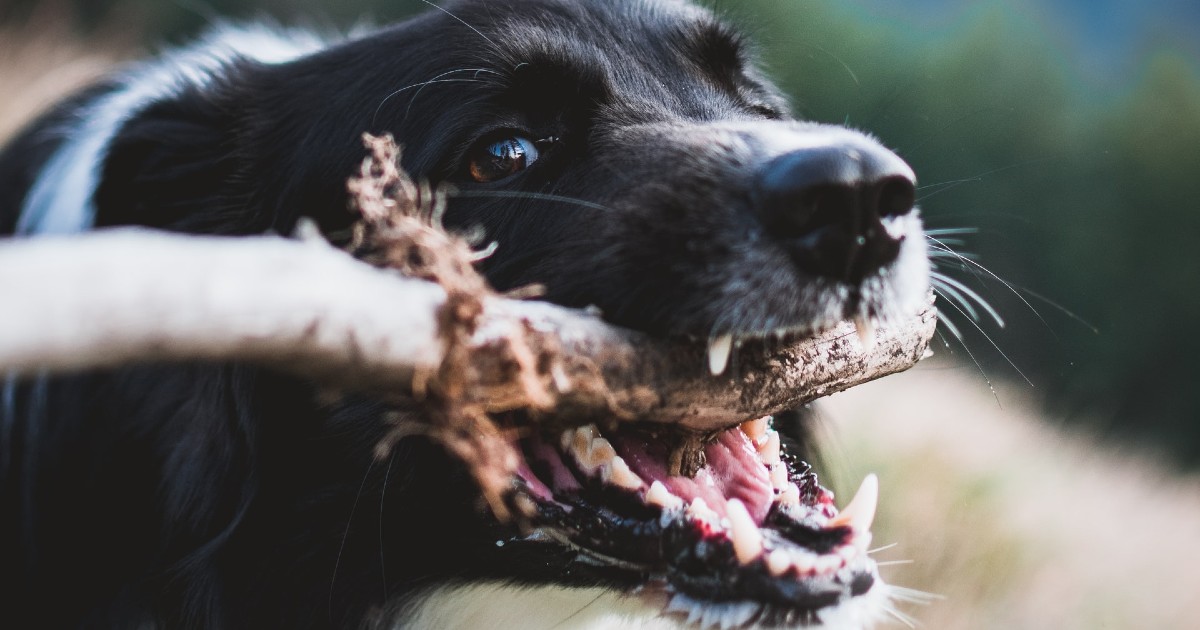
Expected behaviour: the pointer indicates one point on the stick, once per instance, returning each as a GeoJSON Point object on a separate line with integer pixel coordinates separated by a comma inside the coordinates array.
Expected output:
{"type": "Point", "coordinates": [128, 296]}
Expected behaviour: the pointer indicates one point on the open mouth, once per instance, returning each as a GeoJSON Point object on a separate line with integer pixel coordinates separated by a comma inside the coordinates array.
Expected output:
{"type": "Point", "coordinates": [729, 527]}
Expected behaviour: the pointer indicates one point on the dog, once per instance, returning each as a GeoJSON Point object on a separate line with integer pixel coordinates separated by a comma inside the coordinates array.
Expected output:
{"type": "Point", "coordinates": [627, 155]}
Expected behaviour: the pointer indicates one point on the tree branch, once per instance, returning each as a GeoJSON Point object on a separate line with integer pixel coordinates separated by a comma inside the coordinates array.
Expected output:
{"type": "Point", "coordinates": [128, 296]}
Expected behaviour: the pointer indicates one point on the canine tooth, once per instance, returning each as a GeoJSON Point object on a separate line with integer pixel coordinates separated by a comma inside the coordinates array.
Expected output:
{"type": "Point", "coordinates": [778, 562]}
{"type": "Point", "coordinates": [618, 473]}
{"type": "Point", "coordinates": [660, 496]}
{"type": "Point", "coordinates": [769, 451]}
{"type": "Point", "coordinates": [747, 540]}
{"type": "Point", "coordinates": [718, 353]}
{"type": "Point", "coordinates": [566, 439]}
{"type": "Point", "coordinates": [866, 332]}
{"type": "Point", "coordinates": [859, 513]}
{"type": "Point", "coordinates": [779, 476]}
{"type": "Point", "coordinates": [754, 429]}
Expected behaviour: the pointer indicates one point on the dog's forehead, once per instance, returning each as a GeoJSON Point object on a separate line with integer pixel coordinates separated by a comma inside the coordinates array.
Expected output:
{"type": "Point", "coordinates": [636, 50]}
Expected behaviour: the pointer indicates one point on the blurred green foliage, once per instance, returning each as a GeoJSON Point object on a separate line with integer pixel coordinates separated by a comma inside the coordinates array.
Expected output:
{"type": "Point", "coordinates": [1085, 192]}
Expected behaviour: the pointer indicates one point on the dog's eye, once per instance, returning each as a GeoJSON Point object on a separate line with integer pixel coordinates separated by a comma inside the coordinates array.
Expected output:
{"type": "Point", "coordinates": [494, 160]}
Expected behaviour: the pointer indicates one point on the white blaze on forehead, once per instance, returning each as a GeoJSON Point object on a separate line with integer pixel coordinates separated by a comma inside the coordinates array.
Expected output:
{"type": "Point", "coordinates": [60, 201]}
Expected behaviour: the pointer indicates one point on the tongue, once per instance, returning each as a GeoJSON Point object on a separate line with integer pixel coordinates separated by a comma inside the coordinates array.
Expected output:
{"type": "Point", "coordinates": [733, 470]}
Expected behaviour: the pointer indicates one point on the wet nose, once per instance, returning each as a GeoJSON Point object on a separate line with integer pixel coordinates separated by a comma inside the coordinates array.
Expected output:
{"type": "Point", "coordinates": [827, 205]}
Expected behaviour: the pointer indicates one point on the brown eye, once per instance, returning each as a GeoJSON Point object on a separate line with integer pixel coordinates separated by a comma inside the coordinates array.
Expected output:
{"type": "Point", "coordinates": [491, 161]}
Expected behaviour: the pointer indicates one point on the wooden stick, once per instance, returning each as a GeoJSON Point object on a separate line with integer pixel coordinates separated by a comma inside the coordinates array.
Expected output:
{"type": "Point", "coordinates": [131, 296]}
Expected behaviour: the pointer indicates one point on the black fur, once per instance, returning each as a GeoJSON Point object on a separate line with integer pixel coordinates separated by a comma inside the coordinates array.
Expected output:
{"type": "Point", "coordinates": [225, 496]}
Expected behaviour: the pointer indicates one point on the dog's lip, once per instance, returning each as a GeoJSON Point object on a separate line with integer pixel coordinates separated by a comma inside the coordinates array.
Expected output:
{"type": "Point", "coordinates": [747, 527]}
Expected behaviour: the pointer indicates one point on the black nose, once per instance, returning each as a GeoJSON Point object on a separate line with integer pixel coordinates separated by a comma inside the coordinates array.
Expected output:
{"type": "Point", "coordinates": [827, 206]}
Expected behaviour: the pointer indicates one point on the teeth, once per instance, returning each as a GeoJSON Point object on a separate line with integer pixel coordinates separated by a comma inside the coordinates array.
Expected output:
{"type": "Point", "coordinates": [866, 332]}
{"type": "Point", "coordinates": [660, 496]}
{"type": "Point", "coordinates": [566, 439]}
{"type": "Point", "coordinates": [779, 477]}
{"type": "Point", "coordinates": [859, 513]}
{"type": "Point", "coordinates": [755, 429]}
{"type": "Point", "coordinates": [769, 451]}
{"type": "Point", "coordinates": [718, 354]}
{"type": "Point", "coordinates": [747, 540]}
{"type": "Point", "coordinates": [700, 511]}
{"type": "Point", "coordinates": [828, 564]}
{"type": "Point", "coordinates": [790, 495]}
{"type": "Point", "coordinates": [778, 562]}
{"type": "Point", "coordinates": [804, 561]}
{"type": "Point", "coordinates": [600, 452]}
{"type": "Point", "coordinates": [617, 472]}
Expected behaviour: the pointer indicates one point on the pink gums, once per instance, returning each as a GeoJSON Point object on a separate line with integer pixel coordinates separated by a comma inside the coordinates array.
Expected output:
{"type": "Point", "coordinates": [733, 471]}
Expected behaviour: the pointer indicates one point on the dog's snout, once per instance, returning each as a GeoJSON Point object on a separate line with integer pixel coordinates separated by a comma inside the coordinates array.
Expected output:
{"type": "Point", "coordinates": [827, 206]}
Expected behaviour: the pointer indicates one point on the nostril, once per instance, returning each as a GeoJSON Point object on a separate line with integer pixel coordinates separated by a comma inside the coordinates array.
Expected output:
{"type": "Point", "coordinates": [826, 207]}
{"type": "Point", "coordinates": [897, 196]}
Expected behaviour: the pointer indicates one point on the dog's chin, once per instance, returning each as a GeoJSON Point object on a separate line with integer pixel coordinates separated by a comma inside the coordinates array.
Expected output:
{"type": "Point", "coordinates": [727, 530]}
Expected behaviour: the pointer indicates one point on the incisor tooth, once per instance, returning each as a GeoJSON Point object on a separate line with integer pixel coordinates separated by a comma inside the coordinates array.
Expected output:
{"type": "Point", "coordinates": [803, 561]}
{"type": "Point", "coordinates": [747, 540]}
{"type": "Point", "coordinates": [754, 429]}
{"type": "Point", "coordinates": [769, 451]}
{"type": "Point", "coordinates": [778, 562]}
{"type": "Point", "coordinates": [859, 513]}
{"type": "Point", "coordinates": [718, 353]}
{"type": "Point", "coordinates": [790, 495]}
{"type": "Point", "coordinates": [618, 473]}
{"type": "Point", "coordinates": [659, 495]}
{"type": "Point", "coordinates": [779, 476]}
{"type": "Point", "coordinates": [699, 510]}
{"type": "Point", "coordinates": [566, 439]}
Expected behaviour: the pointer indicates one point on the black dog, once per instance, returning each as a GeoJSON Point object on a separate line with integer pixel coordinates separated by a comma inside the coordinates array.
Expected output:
{"type": "Point", "coordinates": [625, 154]}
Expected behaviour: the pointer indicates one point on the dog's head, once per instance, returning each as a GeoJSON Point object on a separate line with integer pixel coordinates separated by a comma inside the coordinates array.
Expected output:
{"type": "Point", "coordinates": [626, 155]}
{"type": "Point", "coordinates": [630, 156]}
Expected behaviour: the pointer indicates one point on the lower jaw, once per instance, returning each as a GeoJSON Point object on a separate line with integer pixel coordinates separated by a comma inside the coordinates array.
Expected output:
{"type": "Point", "coordinates": [745, 536]}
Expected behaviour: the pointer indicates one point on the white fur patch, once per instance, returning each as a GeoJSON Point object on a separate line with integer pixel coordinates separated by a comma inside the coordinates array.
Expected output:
{"type": "Point", "coordinates": [501, 606]}
{"type": "Point", "coordinates": [61, 199]}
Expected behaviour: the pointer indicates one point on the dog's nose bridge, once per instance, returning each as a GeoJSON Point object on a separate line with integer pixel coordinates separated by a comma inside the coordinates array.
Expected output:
{"type": "Point", "coordinates": [826, 202]}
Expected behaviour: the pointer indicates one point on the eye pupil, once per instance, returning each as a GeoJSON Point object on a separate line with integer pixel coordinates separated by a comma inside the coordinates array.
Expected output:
{"type": "Point", "coordinates": [492, 161]}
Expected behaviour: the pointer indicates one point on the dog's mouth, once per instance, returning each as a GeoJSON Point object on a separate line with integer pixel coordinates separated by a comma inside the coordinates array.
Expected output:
{"type": "Point", "coordinates": [726, 529]}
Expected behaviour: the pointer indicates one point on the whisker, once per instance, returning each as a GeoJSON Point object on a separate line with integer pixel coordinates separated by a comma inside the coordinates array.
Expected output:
{"type": "Point", "coordinates": [519, 194]}
{"type": "Point", "coordinates": [883, 548]}
{"type": "Point", "coordinates": [475, 77]}
{"type": "Point", "coordinates": [974, 296]}
{"type": "Point", "coordinates": [914, 596]}
{"type": "Point", "coordinates": [946, 290]}
{"type": "Point", "coordinates": [463, 22]}
{"type": "Point", "coordinates": [980, 267]}
{"type": "Point", "coordinates": [345, 535]}
{"type": "Point", "coordinates": [888, 563]}
{"type": "Point", "coordinates": [942, 319]}
{"type": "Point", "coordinates": [375, 116]}
{"type": "Point", "coordinates": [951, 231]}
{"type": "Point", "coordinates": [955, 183]}
{"type": "Point", "coordinates": [994, 344]}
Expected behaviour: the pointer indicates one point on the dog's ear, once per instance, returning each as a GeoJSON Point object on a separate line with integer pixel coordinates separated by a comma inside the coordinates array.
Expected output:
{"type": "Point", "coordinates": [170, 166]}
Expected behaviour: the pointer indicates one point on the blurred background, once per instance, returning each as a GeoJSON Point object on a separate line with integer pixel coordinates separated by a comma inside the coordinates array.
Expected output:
{"type": "Point", "coordinates": [1058, 147]}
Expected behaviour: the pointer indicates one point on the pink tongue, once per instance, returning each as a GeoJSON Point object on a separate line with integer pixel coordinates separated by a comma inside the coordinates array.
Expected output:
{"type": "Point", "coordinates": [733, 471]}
